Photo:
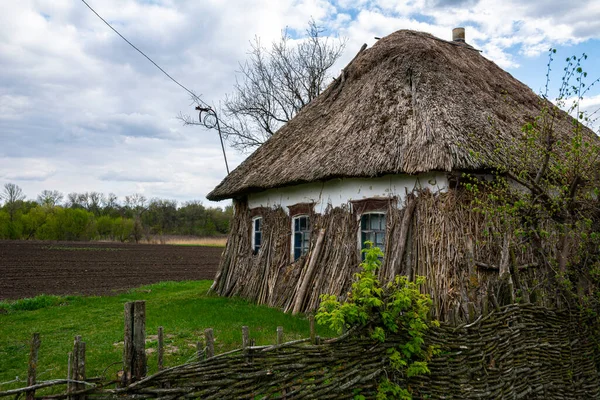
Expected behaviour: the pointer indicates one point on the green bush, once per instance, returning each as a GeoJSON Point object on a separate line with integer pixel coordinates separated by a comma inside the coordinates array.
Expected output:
{"type": "Point", "coordinates": [104, 227]}
{"type": "Point", "coordinates": [122, 229]}
{"type": "Point", "coordinates": [398, 308]}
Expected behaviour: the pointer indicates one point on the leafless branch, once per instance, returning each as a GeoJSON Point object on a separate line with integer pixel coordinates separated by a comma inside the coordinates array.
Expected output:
{"type": "Point", "coordinates": [275, 84]}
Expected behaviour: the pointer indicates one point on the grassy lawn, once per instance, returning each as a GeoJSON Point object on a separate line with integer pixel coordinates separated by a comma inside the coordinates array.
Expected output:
{"type": "Point", "coordinates": [182, 308]}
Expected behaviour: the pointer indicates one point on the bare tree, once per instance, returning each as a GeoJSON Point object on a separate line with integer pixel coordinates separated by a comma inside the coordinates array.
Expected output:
{"type": "Point", "coordinates": [111, 203]}
{"type": "Point", "coordinates": [274, 84]}
{"type": "Point", "coordinates": [72, 200]}
{"type": "Point", "coordinates": [95, 202]}
{"type": "Point", "coordinates": [13, 196]}
{"type": "Point", "coordinates": [134, 201]}
{"type": "Point", "coordinates": [137, 204]}
{"type": "Point", "coordinates": [49, 198]}
{"type": "Point", "coordinates": [83, 199]}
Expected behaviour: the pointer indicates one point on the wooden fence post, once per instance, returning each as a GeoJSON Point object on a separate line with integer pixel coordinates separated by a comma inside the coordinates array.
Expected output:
{"type": "Point", "coordinates": [134, 342]}
{"type": "Point", "coordinates": [161, 348]}
{"type": "Point", "coordinates": [210, 342]}
{"type": "Point", "coordinates": [33, 360]}
{"type": "Point", "coordinates": [246, 342]}
{"type": "Point", "coordinates": [471, 311]}
{"type": "Point", "coordinates": [76, 367]}
{"type": "Point", "coordinates": [279, 334]}
{"type": "Point", "coordinates": [245, 337]}
{"type": "Point", "coordinates": [80, 366]}
{"type": "Point", "coordinates": [127, 344]}
{"type": "Point", "coordinates": [139, 340]}
{"type": "Point", "coordinates": [311, 320]}
{"type": "Point", "coordinates": [70, 386]}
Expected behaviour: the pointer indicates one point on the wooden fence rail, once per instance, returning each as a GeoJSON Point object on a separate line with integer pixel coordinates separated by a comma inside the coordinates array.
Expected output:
{"type": "Point", "coordinates": [134, 364]}
{"type": "Point", "coordinates": [517, 351]}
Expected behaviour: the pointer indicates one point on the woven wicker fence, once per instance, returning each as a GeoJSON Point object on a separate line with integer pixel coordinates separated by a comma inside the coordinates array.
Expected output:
{"type": "Point", "coordinates": [518, 352]}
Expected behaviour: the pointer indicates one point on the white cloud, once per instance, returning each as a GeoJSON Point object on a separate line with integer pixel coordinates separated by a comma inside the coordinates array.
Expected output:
{"type": "Point", "coordinates": [591, 103]}
{"type": "Point", "coordinates": [27, 169]}
{"type": "Point", "coordinates": [80, 110]}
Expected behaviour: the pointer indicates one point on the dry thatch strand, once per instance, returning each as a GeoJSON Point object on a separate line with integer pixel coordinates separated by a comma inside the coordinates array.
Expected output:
{"type": "Point", "coordinates": [412, 103]}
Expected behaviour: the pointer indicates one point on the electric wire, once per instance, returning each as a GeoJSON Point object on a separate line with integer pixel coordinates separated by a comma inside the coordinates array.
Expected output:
{"type": "Point", "coordinates": [194, 96]}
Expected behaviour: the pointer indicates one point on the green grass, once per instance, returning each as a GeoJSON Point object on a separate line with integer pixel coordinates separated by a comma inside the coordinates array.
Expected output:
{"type": "Point", "coordinates": [182, 308]}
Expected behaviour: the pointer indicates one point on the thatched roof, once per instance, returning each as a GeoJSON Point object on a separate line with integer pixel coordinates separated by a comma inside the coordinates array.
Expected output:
{"type": "Point", "coordinates": [411, 103]}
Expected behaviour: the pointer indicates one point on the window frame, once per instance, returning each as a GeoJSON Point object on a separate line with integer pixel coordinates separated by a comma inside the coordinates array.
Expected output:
{"type": "Point", "coordinates": [360, 231]}
{"type": "Point", "coordinates": [304, 240]}
{"type": "Point", "coordinates": [255, 250]}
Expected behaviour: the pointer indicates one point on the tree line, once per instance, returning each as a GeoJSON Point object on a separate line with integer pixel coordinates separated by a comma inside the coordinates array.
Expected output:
{"type": "Point", "coordinates": [96, 216]}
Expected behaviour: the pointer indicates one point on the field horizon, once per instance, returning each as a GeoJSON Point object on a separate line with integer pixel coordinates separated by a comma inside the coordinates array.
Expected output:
{"type": "Point", "coordinates": [31, 268]}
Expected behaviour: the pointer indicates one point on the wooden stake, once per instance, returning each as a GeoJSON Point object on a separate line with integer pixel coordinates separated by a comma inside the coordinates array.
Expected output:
{"type": "Point", "coordinates": [139, 340]}
{"type": "Point", "coordinates": [127, 344]}
{"type": "Point", "coordinates": [80, 366]}
{"type": "Point", "coordinates": [75, 365]}
{"type": "Point", "coordinates": [471, 310]}
{"type": "Point", "coordinates": [245, 337]}
{"type": "Point", "coordinates": [246, 342]}
{"type": "Point", "coordinates": [161, 348]}
{"type": "Point", "coordinates": [485, 305]}
{"type": "Point", "coordinates": [70, 386]}
{"type": "Point", "coordinates": [411, 202]}
{"type": "Point", "coordinates": [33, 360]}
{"type": "Point", "coordinates": [210, 342]}
{"type": "Point", "coordinates": [134, 342]}
{"type": "Point", "coordinates": [279, 334]}
{"type": "Point", "coordinates": [76, 368]}
{"type": "Point", "coordinates": [313, 333]}
{"type": "Point", "coordinates": [309, 273]}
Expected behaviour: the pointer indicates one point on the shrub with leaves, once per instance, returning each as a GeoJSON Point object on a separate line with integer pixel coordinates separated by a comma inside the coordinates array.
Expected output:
{"type": "Point", "coordinates": [396, 308]}
{"type": "Point", "coordinates": [545, 200]}
{"type": "Point", "coordinates": [543, 203]}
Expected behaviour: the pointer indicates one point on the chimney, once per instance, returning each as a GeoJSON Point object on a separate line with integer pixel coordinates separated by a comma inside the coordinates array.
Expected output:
{"type": "Point", "coordinates": [458, 35]}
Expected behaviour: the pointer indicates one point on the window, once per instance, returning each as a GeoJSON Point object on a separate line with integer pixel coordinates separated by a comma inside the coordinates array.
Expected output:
{"type": "Point", "coordinates": [256, 234]}
{"type": "Point", "coordinates": [301, 236]}
{"type": "Point", "coordinates": [372, 228]}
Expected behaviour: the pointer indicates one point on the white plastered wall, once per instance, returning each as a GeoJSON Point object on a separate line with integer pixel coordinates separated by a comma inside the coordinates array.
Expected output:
{"type": "Point", "coordinates": [338, 192]}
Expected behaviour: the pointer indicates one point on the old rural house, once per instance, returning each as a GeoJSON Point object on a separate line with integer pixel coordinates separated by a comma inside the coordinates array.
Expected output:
{"type": "Point", "coordinates": [378, 157]}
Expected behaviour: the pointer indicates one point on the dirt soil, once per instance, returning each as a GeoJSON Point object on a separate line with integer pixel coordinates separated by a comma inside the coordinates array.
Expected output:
{"type": "Point", "coordinates": [30, 268]}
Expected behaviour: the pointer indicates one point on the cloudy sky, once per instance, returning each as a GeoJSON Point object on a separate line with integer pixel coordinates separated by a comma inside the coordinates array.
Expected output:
{"type": "Point", "coordinates": [80, 110]}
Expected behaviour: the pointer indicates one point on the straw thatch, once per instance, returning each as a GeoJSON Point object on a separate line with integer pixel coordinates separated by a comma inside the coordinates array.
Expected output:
{"type": "Point", "coordinates": [411, 103]}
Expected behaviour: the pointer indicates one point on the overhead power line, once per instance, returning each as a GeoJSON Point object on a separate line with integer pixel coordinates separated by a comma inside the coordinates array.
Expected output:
{"type": "Point", "coordinates": [194, 96]}
{"type": "Point", "coordinates": [206, 107]}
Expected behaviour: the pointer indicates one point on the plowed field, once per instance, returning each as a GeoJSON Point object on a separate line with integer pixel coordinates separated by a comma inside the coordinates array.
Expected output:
{"type": "Point", "coordinates": [30, 268]}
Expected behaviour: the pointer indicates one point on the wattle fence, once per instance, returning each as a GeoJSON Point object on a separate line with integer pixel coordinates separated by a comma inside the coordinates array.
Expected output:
{"type": "Point", "coordinates": [515, 352]}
